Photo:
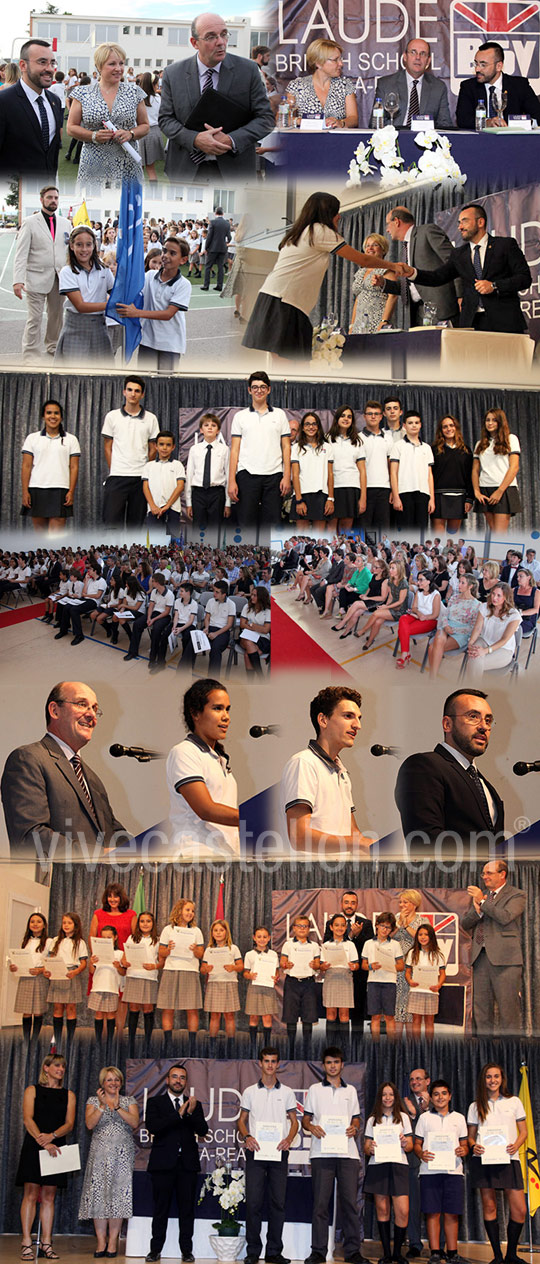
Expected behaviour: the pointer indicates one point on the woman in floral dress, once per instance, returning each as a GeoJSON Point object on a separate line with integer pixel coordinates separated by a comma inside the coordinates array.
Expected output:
{"type": "Point", "coordinates": [407, 922]}
{"type": "Point", "coordinates": [107, 1188]}
{"type": "Point", "coordinates": [104, 158]}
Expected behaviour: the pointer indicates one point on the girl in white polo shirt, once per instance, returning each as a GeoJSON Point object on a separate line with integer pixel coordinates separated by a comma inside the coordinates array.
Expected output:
{"type": "Point", "coordinates": [495, 469]}
{"type": "Point", "coordinates": [87, 285]}
{"type": "Point", "coordinates": [105, 991]}
{"type": "Point", "coordinates": [140, 985]}
{"type": "Point", "coordinates": [411, 475]}
{"type": "Point", "coordinates": [338, 986]}
{"type": "Point", "coordinates": [181, 946]}
{"type": "Point", "coordinates": [222, 963]}
{"type": "Point", "coordinates": [312, 474]}
{"type": "Point", "coordinates": [494, 1107]}
{"type": "Point", "coordinates": [388, 1182]}
{"type": "Point", "coordinates": [349, 468]}
{"type": "Point", "coordinates": [203, 813]}
{"type": "Point", "coordinates": [50, 469]}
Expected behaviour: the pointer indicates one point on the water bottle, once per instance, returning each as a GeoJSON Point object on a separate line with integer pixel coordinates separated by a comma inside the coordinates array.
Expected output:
{"type": "Point", "coordinates": [378, 113]}
{"type": "Point", "coordinates": [364, 323]}
{"type": "Point", "coordinates": [283, 113]}
{"type": "Point", "coordinates": [480, 116]}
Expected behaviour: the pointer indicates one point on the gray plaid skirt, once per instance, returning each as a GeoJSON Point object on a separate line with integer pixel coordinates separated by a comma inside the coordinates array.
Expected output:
{"type": "Point", "coordinates": [260, 1000]}
{"type": "Point", "coordinates": [84, 339]}
{"type": "Point", "coordinates": [422, 1002]}
{"type": "Point", "coordinates": [179, 989]}
{"type": "Point", "coordinates": [140, 991]}
{"type": "Point", "coordinates": [66, 991]}
{"type": "Point", "coordinates": [338, 989]}
{"type": "Point", "coordinates": [105, 1002]}
{"type": "Point", "coordinates": [221, 998]}
{"type": "Point", "coordinates": [32, 995]}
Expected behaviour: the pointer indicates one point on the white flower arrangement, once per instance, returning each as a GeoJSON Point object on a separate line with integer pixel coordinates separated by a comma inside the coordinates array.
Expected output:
{"type": "Point", "coordinates": [435, 164]}
{"type": "Point", "coordinates": [228, 1185]}
{"type": "Point", "coordinates": [327, 343]}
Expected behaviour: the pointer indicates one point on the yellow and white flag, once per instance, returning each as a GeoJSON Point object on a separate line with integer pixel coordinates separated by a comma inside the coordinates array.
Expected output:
{"type": "Point", "coordinates": [528, 1153]}
{"type": "Point", "coordinates": [81, 216]}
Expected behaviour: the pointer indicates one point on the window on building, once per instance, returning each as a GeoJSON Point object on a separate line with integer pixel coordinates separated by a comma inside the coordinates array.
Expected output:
{"type": "Point", "coordinates": [170, 61]}
{"type": "Point", "coordinates": [178, 35]}
{"type": "Point", "coordinates": [106, 34]}
{"type": "Point", "coordinates": [48, 30]}
{"type": "Point", "coordinates": [159, 30]}
{"type": "Point", "coordinates": [148, 61]}
{"type": "Point", "coordinates": [233, 39]}
{"type": "Point", "coordinates": [259, 37]}
{"type": "Point", "coordinates": [77, 32]}
{"type": "Point", "coordinates": [175, 193]}
{"type": "Point", "coordinates": [137, 30]}
{"type": "Point", "coordinates": [159, 64]}
{"type": "Point", "coordinates": [136, 62]}
{"type": "Point", "coordinates": [148, 30]}
{"type": "Point", "coordinates": [81, 63]}
{"type": "Point", "coordinates": [126, 30]}
{"type": "Point", "coordinates": [224, 198]}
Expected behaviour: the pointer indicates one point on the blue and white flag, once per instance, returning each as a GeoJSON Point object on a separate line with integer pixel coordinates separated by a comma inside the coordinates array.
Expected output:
{"type": "Point", "coordinates": [129, 281]}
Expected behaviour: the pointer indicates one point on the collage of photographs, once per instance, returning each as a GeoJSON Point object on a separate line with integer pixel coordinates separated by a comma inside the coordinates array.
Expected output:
{"type": "Point", "coordinates": [270, 549]}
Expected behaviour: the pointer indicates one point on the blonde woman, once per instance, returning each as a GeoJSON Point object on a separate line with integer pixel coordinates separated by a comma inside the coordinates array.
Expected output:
{"type": "Point", "coordinates": [325, 90]}
{"type": "Point", "coordinates": [108, 99]}
{"type": "Point", "coordinates": [49, 1116]}
{"type": "Point", "coordinates": [493, 639]}
{"type": "Point", "coordinates": [395, 605]}
{"type": "Point", "coordinates": [408, 920]}
{"type": "Point", "coordinates": [106, 1196]}
{"type": "Point", "coordinates": [372, 308]}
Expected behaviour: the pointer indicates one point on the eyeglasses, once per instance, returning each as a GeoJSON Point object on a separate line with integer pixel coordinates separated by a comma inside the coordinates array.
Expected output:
{"type": "Point", "coordinates": [473, 717]}
{"type": "Point", "coordinates": [212, 37]}
{"type": "Point", "coordinates": [81, 704]}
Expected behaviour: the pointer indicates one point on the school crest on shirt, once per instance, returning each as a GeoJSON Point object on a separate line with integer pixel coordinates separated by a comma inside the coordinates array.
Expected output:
{"type": "Point", "coordinates": [514, 24]}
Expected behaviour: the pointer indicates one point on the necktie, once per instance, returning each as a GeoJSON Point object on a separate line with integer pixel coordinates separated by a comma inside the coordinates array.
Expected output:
{"type": "Point", "coordinates": [77, 769]}
{"type": "Point", "coordinates": [477, 264]}
{"type": "Point", "coordinates": [403, 288]}
{"type": "Point", "coordinates": [492, 102]}
{"type": "Point", "coordinates": [44, 123]}
{"type": "Point", "coordinates": [478, 783]}
{"type": "Point", "coordinates": [52, 226]}
{"type": "Point", "coordinates": [197, 155]}
{"type": "Point", "coordinates": [177, 1101]}
{"type": "Point", "coordinates": [207, 472]}
{"type": "Point", "coordinates": [414, 104]}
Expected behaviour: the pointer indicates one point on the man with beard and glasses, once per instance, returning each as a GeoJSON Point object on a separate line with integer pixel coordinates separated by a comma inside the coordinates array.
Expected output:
{"type": "Point", "coordinates": [40, 254]}
{"type": "Point", "coordinates": [31, 116]}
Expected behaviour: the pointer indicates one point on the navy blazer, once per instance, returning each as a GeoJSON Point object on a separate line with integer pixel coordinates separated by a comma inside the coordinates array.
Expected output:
{"type": "Point", "coordinates": [521, 100]}
{"type": "Point", "coordinates": [505, 265]}
{"type": "Point", "coordinates": [174, 1136]}
{"type": "Point", "coordinates": [21, 142]}
{"type": "Point", "coordinates": [435, 795]}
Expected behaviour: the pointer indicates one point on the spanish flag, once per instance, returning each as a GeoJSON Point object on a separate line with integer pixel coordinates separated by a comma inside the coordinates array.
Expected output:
{"type": "Point", "coordinates": [81, 216]}
{"type": "Point", "coordinates": [528, 1153]}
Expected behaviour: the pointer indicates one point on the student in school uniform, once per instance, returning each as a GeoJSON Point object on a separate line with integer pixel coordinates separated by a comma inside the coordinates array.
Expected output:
{"type": "Point", "coordinates": [49, 472]}
{"type": "Point", "coordinates": [131, 604]}
{"type": "Point", "coordinates": [105, 991]}
{"type": "Point", "coordinates": [207, 475]}
{"type": "Point", "coordinates": [266, 1101]}
{"type": "Point", "coordinates": [495, 1107]}
{"type": "Point", "coordinates": [411, 475]}
{"type": "Point", "coordinates": [389, 1182]}
{"type": "Point", "coordinates": [66, 993]}
{"type": "Point", "coordinates": [129, 441]}
{"type": "Point", "coordinates": [338, 985]}
{"type": "Point", "coordinates": [221, 995]}
{"type": "Point", "coordinates": [260, 462]}
{"type": "Point", "coordinates": [165, 301]}
{"type": "Point", "coordinates": [423, 998]}
{"type": "Point", "coordinates": [141, 982]}
{"type": "Point", "coordinates": [333, 1096]}
{"type": "Point", "coordinates": [32, 986]}
{"type": "Point", "coordinates": [381, 987]}
{"type": "Point", "coordinates": [181, 947]}
{"type": "Point", "coordinates": [203, 813]}
{"type": "Point", "coordinates": [94, 586]}
{"type": "Point", "coordinates": [300, 959]}
{"type": "Point", "coordinates": [261, 999]}
{"type": "Point", "coordinates": [87, 285]}
{"type": "Point", "coordinates": [442, 1194]}
{"type": "Point", "coordinates": [219, 618]}
{"type": "Point", "coordinates": [157, 619]}
{"type": "Point", "coordinates": [312, 470]}
{"type": "Point", "coordinates": [163, 483]}
{"type": "Point", "coordinates": [185, 618]}
{"type": "Point", "coordinates": [349, 468]}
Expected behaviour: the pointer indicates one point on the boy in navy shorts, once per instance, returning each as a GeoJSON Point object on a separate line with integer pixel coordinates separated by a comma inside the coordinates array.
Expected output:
{"type": "Point", "coordinates": [441, 1145]}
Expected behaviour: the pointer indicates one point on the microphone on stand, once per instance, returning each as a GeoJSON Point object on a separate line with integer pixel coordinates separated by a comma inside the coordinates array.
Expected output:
{"type": "Point", "coordinates": [134, 752]}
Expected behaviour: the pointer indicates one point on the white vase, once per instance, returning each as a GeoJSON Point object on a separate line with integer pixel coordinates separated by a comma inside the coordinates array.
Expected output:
{"type": "Point", "coordinates": [227, 1249]}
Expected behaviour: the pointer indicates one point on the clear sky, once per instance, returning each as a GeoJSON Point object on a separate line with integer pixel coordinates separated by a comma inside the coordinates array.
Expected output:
{"type": "Point", "coordinates": [15, 21]}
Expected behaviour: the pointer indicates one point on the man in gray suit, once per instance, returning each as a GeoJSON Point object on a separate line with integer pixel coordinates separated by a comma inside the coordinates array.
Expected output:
{"type": "Point", "coordinates": [217, 240]}
{"type": "Point", "coordinates": [55, 806]}
{"type": "Point", "coordinates": [40, 253]}
{"type": "Point", "coordinates": [419, 91]}
{"type": "Point", "coordinates": [494, 920]}
{"type": "Point", "coordinates": [212, 154]}
{"type": "Point", "coordinates": [421, 241]}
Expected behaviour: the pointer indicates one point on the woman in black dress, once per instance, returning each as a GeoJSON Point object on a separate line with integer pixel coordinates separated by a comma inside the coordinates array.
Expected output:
{"type": "Point", "coordinates": [49, 1115]}
{"type": "Point", "coordinates": [452, 476]}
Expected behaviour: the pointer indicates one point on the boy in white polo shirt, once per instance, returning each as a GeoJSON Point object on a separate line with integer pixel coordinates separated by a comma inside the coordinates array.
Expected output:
{"type": "Point", "coordinates": [411, 475]}
{"type": "Point", "coordinates": [442, 1190]}
{"type": "Point", "coordinates": [266, 1102]}
{"type": "Point", "coordinates": [166, 298]}
{"type": "Point", "coordinates": [260, 463]}
{"type": "Point", "coordinates": [129, 442]}
{"type": "Point", "coordinates": [157, 619]}
{"type": "Point", "coordinates": [333, 1099]}
{"type": "Point", "coordinates": [163, 483]}
{"type": "Point", "coordinates": [317, 809]}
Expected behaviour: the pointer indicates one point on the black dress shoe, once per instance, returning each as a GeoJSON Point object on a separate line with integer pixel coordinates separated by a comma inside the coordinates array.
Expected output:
{"type": "Point", "coordinates": [189, 1258]}
{"type": "Point", "coordinates": [152, 1255]}
{"type": "Point", "coordinates": [315, 1258]}
{"type": "Point", "coordinates": [276, 1259]}
{"type": "Point", "coordinates": [100, 1255]}
{"type": "Point", "coordinates": [414, 1252]}
{"type": "Point", "coordinates": [77, 640]}
{"type": "Point", "coordinates": [218, 288]}
{"type": "Point", "coordinates": [59, 636]}
{"type": "Point", "coordinates": [127, 658]}
{"type": "Point", "coordinates": [203, 289]}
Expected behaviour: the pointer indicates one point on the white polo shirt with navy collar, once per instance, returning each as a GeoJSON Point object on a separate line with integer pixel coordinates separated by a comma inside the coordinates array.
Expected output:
{"type": "Point", "coordinates": [268, 1105]}
{"type": "Point", "coordinates": [260, 437]}
{"type": "Point", "coordinates": [131, 434]}
{"type": "Point", "coordinates": [165, 335]}
{"type": "Point", "coordinates": [415, 461]}
{"type": "Point", "coordinates": [323, 1099]}
{"type": "Point", "coordinates": [313, 778]}
{"type": "Point", "coordinates": [190, 761]}
{"type": "Point", "coordinates": [377, 448]}
{"type": "Point", "coordinates": [162, 478]}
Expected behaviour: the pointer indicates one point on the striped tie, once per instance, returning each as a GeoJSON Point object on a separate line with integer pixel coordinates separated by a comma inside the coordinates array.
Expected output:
{"type": "Point", "coordinates": [197, 155]}
{"type": "Point", "coordinates": [44, 123]}
{"type": "Point", "coordinates": [414, 104]}
{"type": "Point", "coordinates": [77, 769]}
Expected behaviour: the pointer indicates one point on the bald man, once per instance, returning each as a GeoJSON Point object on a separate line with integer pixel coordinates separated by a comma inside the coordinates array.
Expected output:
{"type": "Point", "coordinates": [55, 806]}
{"type": "Point", "coordinates": [418, 90]}
{"type": "Point", "coordinates": [210, 152]}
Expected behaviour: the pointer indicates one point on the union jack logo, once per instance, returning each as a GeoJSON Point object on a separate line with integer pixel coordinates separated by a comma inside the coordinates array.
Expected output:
{"type": "Point", "coordinates": [513, 24]}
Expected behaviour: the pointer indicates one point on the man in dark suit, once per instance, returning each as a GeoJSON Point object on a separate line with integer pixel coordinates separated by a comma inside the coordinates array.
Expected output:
{"type": "Point", "coordinates": [440, 794]}
{"type": "Point", "coordinates": [30, 116]}
{"type": "Point", "coordinates": [424, 246]}
{"type": "Point", "coordinates": [212, 154]}
{"type": "Point", "coordinates": [418, 90]}
{"type": "Point", "coordinates": [494, 920]}
{"type": "Point", "coordinates": [359, 930]}
{"type": "Point", "coordinates": [416, 1105]}
{"type": "Point", "coordinates": [509, 572]}
{"type": "Point", "coordinates": [486, 86]}
{"type": "Point", "coordinates": [493, 271]}
{"type": "Point", "coordinates": [55, 806]}
{"type": "Point", "coordinates": [175, 1119]}
{"type": "Point", "coordinates": [217, 240]}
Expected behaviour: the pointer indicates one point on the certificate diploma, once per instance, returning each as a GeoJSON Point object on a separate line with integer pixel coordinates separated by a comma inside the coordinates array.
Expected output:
{"type": "Point", "coordinates": [336, 1140]}
{"type": "Point", "coordinates": [268, 1136]}
{"type": "Point", "coordinates": [336, 955]}
{"type": "Point", "coordinates": [183, 939]}
{"type": "Point", "coordinates": [425, 976]}
{"type": "Point", "coordinates": [58, 968]}
{"type": "Point", "coordinates": [137, 955]}
{"type": "Point", "coordinates": [442, 1146]}
{"type": "Point", "coordinates": [219, 958]}
{"type": "Point", "coordinates": [494, 1141]}
{"type": "Point", "coordinates": [386, 960]}
{"type": "Point", "coordinates": [387, 1143]}
{"type": "Point", "coordinates": [265, 972]}
{"type": "Point", "coordinates": [103, 949]}
{"type": "Point", "coordinates": [24, 961]}
{"type": "Point", "coordinates": [68, 1160]}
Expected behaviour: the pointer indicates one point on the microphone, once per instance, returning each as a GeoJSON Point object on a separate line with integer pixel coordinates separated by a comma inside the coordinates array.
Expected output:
{"type": "Point", "coordinates": [385, 750]}
{"type": "Point", "coordinates": [265, 730]}
{"type": "Point", "coordinates": [134, 752]}
{"type": "Point", "coordinates": [522, 769]}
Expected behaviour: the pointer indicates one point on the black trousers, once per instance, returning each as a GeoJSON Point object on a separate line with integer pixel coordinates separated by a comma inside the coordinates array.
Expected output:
{"type": "Point", "coordinates": [75, 613]}
{"type": "Point", "coordinates": [164, 1184]}
{"type": "Point", "coordinates": [124, 502]}
{"type": "Point", "coordinates": [159, 632]}
{"type": "Point", "coordinates": [218, 645]}
{"type": "Point", "coordinates": [377, 512]}
{"type": "Point", "coordinates": [212, 257]}
{"type": "Point", "coordinates": [208, 504]}
{"type": "Point", "coordinates": [323, 1173]}
{"type": "Point", "coordinates": [188, 653]}
{"type": "Point", "coordinates": [261, 1179]}
{"type": "Point", "coordinates": [415, 509]}
{"type": "Point", "coordinates": [259, 499]}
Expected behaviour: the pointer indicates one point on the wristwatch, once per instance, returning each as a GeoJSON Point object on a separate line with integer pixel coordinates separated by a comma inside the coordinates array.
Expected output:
{"type": "Point", "coordinates": [132, 133]}
{"type": "Point", "coordinates": [94, 134]}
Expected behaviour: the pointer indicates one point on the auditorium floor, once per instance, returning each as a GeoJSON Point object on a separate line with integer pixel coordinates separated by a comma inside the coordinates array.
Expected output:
{"type": "Point", "coordinates": [80, 1249]}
